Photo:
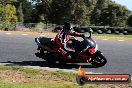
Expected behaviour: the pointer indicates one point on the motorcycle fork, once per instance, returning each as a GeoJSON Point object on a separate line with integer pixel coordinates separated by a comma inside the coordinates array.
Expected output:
{"type": "Point", "coordinates": [38, 48]}
{"type": "Point", "coordinates": [92, 52]}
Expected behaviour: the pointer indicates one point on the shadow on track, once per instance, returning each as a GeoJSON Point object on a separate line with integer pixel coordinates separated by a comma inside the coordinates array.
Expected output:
{"type": "Point", "coordinates": [47, 64]}
{"type": "Point", "coordinates": [59, 65]}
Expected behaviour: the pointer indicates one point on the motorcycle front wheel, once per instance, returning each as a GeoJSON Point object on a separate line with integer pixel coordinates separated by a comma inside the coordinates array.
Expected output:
{"type": "Point", "coordinates": [98, 59]}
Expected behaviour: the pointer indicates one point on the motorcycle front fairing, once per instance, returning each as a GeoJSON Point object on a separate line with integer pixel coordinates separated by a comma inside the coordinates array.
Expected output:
{"type": "Point", "coordinates": [89, 50]}
{"type": "Point", "coordinates": [89, 42]}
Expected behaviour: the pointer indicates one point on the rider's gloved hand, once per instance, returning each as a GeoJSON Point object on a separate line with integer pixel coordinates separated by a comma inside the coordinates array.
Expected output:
{"type": "Point", "coordinates": [82, 35]}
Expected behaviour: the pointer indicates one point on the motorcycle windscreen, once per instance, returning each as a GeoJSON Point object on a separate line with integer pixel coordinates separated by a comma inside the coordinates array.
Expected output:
{"type": "Point", "coordinates": [90, 42]}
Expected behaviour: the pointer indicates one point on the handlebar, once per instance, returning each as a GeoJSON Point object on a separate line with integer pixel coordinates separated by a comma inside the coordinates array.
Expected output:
{"type": "Point", "coordinates": [90, 32]}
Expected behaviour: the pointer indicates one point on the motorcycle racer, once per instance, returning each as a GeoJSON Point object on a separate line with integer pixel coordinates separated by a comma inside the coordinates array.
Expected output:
{"type": "Point", "coordinates": [63, 37]}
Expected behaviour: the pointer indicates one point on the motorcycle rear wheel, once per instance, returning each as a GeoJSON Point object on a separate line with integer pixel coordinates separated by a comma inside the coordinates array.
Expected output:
{"type": "Point", "coordinates": [49, 57]}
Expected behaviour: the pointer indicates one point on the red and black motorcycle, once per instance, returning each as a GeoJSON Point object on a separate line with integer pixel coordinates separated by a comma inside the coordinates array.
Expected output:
{"type": "Point", "coordinates": [86, 51]}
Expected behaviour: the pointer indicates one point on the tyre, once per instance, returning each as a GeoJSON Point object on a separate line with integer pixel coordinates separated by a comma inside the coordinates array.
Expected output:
{"type": "Point", "coordinates": [63, 62]}
{"type": "Point", "coordinates": [108, 32]}
{"type": "Point", "coordinates": [130, 31]}
{"type": "Point", "coordinates": [117, 32]}
{"type": "Point", "coordinates": [98, 59]}
{"type": "Point", "coordinates": [112, 30]}
{"type": "Point", "coordinates": [125, 32]}
{"type": "Point", "coordinates": [95, 30]}
{"type": "Point", "coordinates": [77, 30]}
{"type": "Point", "coordinates": [57, 29]}
{"type": "Point", "coordinates": [99, 32]}
{"type": "Point", "coordinates": [103, 30]}
{"type": "Point", "coordinates": [121, 33]}
{"type": "Point", "coordinates": [41, 50]}
{"type": "Point", "coordinates": [121, 30]}
{"type": "Point", "coordinates": [81, 31]}
{"type": "Point", "coordinates": [87, 29]}
{"type": "Point", "coordinates": [51, 58]}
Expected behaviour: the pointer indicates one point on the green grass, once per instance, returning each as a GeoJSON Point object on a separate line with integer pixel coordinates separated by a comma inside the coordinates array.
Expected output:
{"type": "Point", "coordinates": [56, 79]}
{"type": "Point", "coordinates": [110, 35]}
{"type": "Point", "coordinates": [33, 72]}
{"type": "Point", "coordinates": [65, 79]}
{"type": "Point", "coordinates": [114, 35]}
{"type": "Point", "coordinates": [45, 84]}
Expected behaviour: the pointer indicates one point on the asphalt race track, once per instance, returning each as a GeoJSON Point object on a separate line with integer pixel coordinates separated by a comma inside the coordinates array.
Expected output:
{"type": "Point", "coordinates": [20, 49]}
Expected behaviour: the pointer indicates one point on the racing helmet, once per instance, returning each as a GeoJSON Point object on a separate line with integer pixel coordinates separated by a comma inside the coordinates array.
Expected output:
{"type": "Point", "coordinates": [68, 26]}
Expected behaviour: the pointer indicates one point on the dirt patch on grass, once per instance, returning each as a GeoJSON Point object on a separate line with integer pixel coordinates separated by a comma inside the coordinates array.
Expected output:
{"type": "Point", "coordinates": [13, 76]}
